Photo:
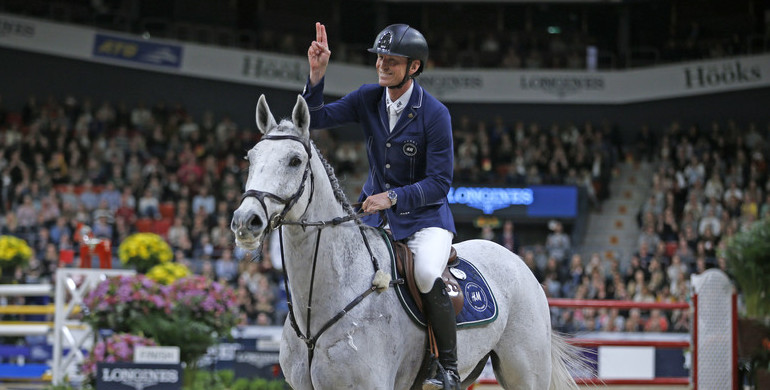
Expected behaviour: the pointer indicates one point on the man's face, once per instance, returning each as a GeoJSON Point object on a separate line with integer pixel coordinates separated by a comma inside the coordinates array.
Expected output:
{"type": "Point", "coordinates": [390, 69]}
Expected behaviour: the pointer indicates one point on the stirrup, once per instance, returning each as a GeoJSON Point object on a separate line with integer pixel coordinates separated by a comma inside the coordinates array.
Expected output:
{"type": "Point", "coordinates": [442, 380]}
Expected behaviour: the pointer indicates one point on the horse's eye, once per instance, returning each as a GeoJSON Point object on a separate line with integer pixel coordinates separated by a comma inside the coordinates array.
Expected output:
{"type": "Point", "coordinates": [295, 161]}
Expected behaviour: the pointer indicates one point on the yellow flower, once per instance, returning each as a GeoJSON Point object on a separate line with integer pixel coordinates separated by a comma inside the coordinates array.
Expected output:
{"type": "Point", "coordinates": [144, 251]}
{"type": "Point", "coordinates": [14, 251]}
{"type": "Point", "coordinates": [168, 273]}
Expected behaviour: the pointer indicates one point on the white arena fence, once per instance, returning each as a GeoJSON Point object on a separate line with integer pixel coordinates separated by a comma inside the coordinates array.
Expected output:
{"type": "Point", "coordinates": [68, 335]}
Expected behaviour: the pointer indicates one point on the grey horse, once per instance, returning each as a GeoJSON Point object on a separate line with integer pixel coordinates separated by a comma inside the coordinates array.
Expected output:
{"type": "Point", "coordinates": [346, 328]}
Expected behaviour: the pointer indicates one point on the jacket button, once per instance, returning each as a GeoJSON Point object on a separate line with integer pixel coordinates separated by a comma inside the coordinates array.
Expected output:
{"type": "Point", "coordinates": [387, 166]}
{"type": "Point", "coordinates": [411, 115]}
{"type": "Point", "coordinates": [387, 185]}
{"type": "Point", "coordinates": [387, 145]}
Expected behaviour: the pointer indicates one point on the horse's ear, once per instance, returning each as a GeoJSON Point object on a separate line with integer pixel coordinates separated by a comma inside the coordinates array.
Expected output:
{"type": "Point", "coordinates": [301, 117]}
{"type": "Point", "coordinates": [265, 119]}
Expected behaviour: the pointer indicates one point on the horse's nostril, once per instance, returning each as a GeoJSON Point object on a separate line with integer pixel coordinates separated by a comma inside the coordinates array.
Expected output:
{"type": "Point", "coordinates": [255, 222]}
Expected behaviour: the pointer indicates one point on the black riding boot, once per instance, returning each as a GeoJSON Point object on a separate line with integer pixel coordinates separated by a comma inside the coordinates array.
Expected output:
{"type": "Point", "coordinates": [441, 315]}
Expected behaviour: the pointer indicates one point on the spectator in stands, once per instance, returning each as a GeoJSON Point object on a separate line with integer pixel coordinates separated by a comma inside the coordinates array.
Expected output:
{"type": "Point", "coordinates": [102, 228]}
{"type": "Point", "coordinates": [557, 243]}
{"type": "Point", "coordinates": [204, 200]}
{"type": "Point", "coordinates": [713, 207]}
{"type": "Point", "coordinates": [657, 322]}
{"type": "Point", "coordinates": [226, 267]}
{"type": "Point", "coordinates": [149, 206]}
{"type": "Point", "coordinates": [88, 197]}
{"type": "Point", "coordinates": [141, 116]}
{"type": "Point", "coordinates": [710, 222]}
{"type": "Point", "coordinates": [508, 238]}
{"type": "Point", "coordinates": [529, 259]}
{"type": "Point", "coordinates": [574, 276]}
{"type": "Point", "coordinates": [733, 190]}
{"type": "Point", "coordinates": [668, 229]}
{"type": "Point", "coordinates": [648, 238]}
{"type": "Point", "coordinates": [634, 321]}
{"type": "Point", "coordinates": [175, 233]}
{"type": "Point", "coordinates": [26, 215]}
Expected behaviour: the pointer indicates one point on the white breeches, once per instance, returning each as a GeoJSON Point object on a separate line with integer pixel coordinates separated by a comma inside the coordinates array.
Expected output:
{"type": "Point", "coordinates": [431, 248]}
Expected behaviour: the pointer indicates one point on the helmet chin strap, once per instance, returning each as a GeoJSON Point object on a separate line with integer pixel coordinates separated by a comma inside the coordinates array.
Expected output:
{"type": "Point", "coordinates": [406, 76]}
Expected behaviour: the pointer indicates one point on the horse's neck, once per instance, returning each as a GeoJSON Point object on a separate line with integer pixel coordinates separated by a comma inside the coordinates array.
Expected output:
{"type": "Point", "coordinates": [342, 266]}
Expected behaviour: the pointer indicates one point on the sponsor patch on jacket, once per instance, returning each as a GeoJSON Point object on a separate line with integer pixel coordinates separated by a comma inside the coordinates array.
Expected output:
{"type": "Point", "coordinates": [409, 148]}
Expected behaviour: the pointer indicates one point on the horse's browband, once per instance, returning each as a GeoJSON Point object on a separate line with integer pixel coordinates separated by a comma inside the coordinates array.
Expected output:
{"type": "Point", "coordinates": [306, 145]}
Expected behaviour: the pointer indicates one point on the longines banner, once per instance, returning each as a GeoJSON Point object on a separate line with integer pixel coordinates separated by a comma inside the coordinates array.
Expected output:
{"type": "Point", "coordinates": [133, 376]}
{"type": "Point", "coordinates": [452, 86]}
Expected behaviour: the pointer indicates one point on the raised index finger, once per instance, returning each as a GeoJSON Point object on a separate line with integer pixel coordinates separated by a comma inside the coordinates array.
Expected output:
{"type": "Point", "coordinates": [320, 33]}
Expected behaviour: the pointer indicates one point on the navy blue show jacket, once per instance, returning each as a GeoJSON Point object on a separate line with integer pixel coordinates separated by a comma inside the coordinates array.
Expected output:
{"type": "Point", "coordinates": [415, 160]}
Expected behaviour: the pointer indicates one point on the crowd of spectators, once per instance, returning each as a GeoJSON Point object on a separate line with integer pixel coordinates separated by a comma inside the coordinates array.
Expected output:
{"type": "Point", "coordinates": [462, 35]}
{"type": "Point", "coordinates": [708, 184]}
{"type": "Point", "coordinates": [119, 169]}
{"type": "Point", "coordinates": [71, 161]}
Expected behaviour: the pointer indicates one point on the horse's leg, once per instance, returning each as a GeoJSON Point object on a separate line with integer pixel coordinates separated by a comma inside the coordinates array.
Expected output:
{"type": "Point", "coordinates": [293, 359]}
{"type": "Point", "coordinates": [522, 358]}
{"type": "Point", "coordinates": [357, 353]}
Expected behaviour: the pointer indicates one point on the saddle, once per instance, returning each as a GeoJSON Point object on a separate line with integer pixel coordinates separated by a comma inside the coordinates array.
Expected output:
{"type": "Point", "coordinates": [405, 265]}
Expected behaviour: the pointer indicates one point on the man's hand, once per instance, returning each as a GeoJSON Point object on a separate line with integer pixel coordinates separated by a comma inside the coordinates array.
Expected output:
{"type": "Point", "coordinates": [376, 202]}
{"type": "Point", "coordinates": [318, 54]}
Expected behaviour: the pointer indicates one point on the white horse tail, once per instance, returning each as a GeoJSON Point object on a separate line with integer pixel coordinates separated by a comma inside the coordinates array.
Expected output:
{"type": "Point", "coordinates": [567, 359]}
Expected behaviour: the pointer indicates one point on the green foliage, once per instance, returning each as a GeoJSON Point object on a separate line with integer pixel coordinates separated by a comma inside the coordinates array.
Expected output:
{"type": "Point", "coordinates": [223, 380]}
{"type": "Point", "coordinates": [193, 337]}
{"type": "Point", "coordinates": [241, 384]}
{"type": "Point", "coordinates": [748, 262]}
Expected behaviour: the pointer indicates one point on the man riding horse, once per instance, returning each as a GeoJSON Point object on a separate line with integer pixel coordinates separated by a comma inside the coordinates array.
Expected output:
{"type": "Point", "coordinates": [409, 143]}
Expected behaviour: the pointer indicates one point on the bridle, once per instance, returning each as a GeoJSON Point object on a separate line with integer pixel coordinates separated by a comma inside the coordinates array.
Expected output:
{"type": "Point", "coordinates": [276, 221]}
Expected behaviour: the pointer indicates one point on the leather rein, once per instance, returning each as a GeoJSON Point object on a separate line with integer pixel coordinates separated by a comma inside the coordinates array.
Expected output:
{"type": "Point", "coordinates": [277, 221]}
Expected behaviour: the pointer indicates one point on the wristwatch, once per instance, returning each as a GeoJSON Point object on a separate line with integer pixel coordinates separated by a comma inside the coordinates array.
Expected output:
{"type": "Point", "coordinates": [393, 197]}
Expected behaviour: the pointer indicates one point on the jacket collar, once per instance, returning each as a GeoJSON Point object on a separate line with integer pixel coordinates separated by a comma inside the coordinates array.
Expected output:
{"type": "Point", "coordinates": [409, 113]}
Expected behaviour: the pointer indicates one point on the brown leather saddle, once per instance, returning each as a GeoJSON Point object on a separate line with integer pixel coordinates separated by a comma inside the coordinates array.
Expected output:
{"type": "Point", "coordinates": [405, 267]}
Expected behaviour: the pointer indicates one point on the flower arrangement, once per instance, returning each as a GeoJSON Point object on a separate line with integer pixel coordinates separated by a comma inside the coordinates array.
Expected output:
{"type": "Point", "coordinates": [206, 301]}
{"type": "Point", "coordinates": [192, 312]}
{"type": "Point", "coordinates": [118, 303]}
{"type": "Point", "coordinates": [144, 251]}
{"type": "Point", "coordinates": [167, 273]}
{"type": "Point", "coordinates": [117, 348]}
{"type": "Point", "coordinates": [13, 252]}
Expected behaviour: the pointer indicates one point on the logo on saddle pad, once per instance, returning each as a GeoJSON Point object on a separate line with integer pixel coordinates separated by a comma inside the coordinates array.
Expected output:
{"type": "Point", "coordinates": [475, 295]}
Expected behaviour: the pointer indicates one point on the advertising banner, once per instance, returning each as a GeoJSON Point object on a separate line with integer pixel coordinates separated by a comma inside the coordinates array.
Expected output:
{"type": "Point", "coordinates": [530, 202]}
{"type": "Point", "coordinates": [134, 376]}
{"type": "Point", "coordinates": [137, 51]}
{"type": "Point", "coordinates": [450, 85]}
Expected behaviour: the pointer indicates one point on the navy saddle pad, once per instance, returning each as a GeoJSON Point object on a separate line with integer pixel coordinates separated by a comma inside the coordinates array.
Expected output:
{"type": "Point", "coordinates": [479, 308]}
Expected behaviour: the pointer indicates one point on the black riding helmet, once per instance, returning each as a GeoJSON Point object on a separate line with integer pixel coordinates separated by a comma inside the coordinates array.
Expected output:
{"type": "Point", "coordinates": [405, 41]}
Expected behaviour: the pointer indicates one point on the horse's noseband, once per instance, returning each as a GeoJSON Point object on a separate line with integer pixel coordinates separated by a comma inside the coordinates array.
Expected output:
{"type": "Point", "coordinates": [276, 220]}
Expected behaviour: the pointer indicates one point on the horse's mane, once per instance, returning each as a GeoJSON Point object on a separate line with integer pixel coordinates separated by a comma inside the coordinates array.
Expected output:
{"type": "Point", "coordinates": [339, 194]}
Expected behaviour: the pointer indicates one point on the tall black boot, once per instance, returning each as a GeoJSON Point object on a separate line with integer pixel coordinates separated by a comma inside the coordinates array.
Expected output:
{"type": "Point", "coordinates": [441, 316]}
